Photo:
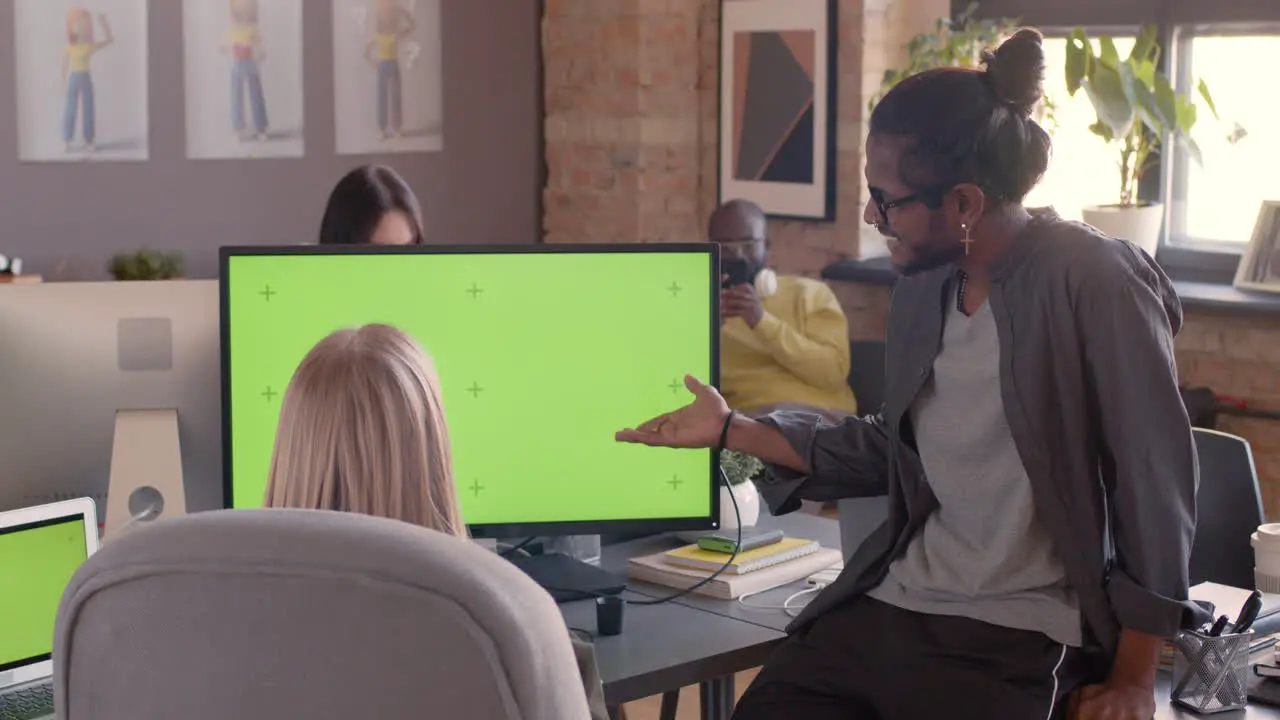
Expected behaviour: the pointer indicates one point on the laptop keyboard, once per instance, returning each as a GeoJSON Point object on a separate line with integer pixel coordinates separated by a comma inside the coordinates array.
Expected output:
{"type": "Point", "coordinates": [28, 703]}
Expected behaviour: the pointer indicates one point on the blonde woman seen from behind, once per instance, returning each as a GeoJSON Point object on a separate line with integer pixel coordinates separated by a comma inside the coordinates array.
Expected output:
{"type": "Point", "coordinates": [362, 429]}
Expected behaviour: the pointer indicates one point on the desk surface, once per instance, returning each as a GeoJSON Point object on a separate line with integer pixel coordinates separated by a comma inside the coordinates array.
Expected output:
{"type": "Point", "coordinates": [668, 646]}
{"type": "Point", "coordinates": [827, 532]}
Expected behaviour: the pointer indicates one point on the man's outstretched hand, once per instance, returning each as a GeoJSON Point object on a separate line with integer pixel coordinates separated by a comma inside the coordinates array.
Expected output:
{"type": "Point", "coordinates": [696, 425]}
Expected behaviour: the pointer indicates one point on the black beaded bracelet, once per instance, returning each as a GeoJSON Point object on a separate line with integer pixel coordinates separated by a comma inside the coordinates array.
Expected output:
{"type": "Point", "coordinates": [724, 431]}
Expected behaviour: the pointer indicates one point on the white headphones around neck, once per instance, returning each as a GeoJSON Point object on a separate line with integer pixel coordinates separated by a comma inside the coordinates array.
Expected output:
{"type": "Point", "coordinates": [766, 283]}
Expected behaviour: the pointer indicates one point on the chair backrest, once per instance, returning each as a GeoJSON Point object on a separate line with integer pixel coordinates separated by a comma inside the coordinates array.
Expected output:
{"type": "Point", "coordinates": [1228, 510]}
{"type": "Point", "coordinates": [866, 374]}
{"type": "Point", "coordinates": [266, 614]}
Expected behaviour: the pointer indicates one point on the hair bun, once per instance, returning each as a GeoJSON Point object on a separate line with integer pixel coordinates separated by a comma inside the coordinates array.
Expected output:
{"type": "Point", "coordinates": [1015, 70]}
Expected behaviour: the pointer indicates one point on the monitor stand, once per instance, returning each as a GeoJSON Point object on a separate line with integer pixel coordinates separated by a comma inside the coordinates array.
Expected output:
{"type": "Point", "coordinates": [146, 464]}
{"type": "Point", "coordinates": [568, 578]}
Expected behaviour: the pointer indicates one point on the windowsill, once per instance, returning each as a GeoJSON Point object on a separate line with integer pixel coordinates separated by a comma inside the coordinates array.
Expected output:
{"type": "Point", "coordinates": [1213, 297]}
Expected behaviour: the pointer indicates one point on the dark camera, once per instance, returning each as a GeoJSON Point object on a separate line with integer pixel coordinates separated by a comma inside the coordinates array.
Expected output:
{"type": "Point", "coordinates": [737, 271]}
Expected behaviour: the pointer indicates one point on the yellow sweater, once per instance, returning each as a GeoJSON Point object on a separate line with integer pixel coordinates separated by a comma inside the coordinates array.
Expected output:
{"type": "Point", "coordinates": [797, 353]}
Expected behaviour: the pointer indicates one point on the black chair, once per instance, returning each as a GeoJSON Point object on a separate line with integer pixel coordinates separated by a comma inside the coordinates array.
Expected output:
{"type": "Point", "coordinates": [866, 374]}
{"type": "Point", "coordinates": [1228, 510]}
{"type": "Point", "coordinates": [860, 516]}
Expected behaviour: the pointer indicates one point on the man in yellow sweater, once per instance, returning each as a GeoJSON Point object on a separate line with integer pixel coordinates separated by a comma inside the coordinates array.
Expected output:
{"type": "Point", "coordinates": [784, 341]}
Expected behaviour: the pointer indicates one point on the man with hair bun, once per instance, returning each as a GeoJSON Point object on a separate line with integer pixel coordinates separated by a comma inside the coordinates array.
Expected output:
{"type": "Point", "coordinates": [1037, 457]}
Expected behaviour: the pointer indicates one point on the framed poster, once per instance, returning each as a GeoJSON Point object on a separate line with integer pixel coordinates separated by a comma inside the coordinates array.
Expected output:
{"type": "Point", "coordinates": [1259, 267]}
{"type": "Point", "coordinates": [81, 80]}
{"type": "Point", "coordinates": [387, 76]}
{"type": "Point", "coordinates": [778, 106]}
{"type": "Point", "coordinates": [243, 66]}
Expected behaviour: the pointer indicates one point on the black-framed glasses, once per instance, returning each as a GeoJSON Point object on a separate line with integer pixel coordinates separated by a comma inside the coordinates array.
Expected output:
{"type": "Point", "coordinates": [931, 197]}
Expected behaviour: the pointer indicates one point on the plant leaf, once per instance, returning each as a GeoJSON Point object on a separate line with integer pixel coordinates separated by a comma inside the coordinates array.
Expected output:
{"type": "Point", "coordinates": [1188, 113]}
{"type": "Point", "coordinates": [1146, 47]}
{"type": "Point", "coordinates": [1102, 130]}
{"type": "Point", "coordinates": [1145, 71]}
{"type": "Point", "coordinates": [1203, 87]}
{"type": "Point", "coordinates": [1144, 101]}
{"type": "Point", "coordinates": [1108, 55]}
{"type": "Point", "coordinates": [1079, 53]}
{"type": "Point", "coordinates": [1167, 99]}
{"type": "Point", "coordinates": [1106, 92]}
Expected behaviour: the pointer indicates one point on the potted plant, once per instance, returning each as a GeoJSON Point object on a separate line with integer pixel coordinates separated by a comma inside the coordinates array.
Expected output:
{"type": "Point", "coordinates": [954, 42]}
{"type": "Point", "coordinates": [146, 264]}
{"type": "Point", "coordinates": [739, 469]}
{"type": "Point", "coordinates": [1137, 109]}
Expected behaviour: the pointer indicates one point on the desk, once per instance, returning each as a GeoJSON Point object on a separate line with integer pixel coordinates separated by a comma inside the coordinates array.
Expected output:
{"type": "Point", "coordinates": [665, 647]}
{"type": "Point", "coordinates": [702, 632]}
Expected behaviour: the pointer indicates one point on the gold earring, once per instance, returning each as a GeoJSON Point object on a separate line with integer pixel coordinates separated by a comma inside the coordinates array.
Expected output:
{"type": "Point", "coordinates": [968, 237]}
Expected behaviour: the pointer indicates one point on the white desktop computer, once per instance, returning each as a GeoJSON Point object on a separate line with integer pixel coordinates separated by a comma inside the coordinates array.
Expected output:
{"type": "Point", "coordinates": [111, 383]}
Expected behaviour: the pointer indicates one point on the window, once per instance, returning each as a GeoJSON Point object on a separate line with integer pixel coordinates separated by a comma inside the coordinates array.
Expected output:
{"type": "Point", "coordinates": [1084, 170]}
{"type": "Point", "coordinates": [1215, 204]}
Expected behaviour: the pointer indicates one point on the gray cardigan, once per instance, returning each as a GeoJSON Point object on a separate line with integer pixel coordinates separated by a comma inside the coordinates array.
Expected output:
{"type": "Point", "coordinates": [1086, 326]}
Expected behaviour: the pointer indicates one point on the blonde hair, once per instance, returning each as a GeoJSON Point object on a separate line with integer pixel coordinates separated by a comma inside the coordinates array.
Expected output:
{"type": "Point", "coordinates": [79, 26]}
{"type": "Point", "coordinates": [362, 429]}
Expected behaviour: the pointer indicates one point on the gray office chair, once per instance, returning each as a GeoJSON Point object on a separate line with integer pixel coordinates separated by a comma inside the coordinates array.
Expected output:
{"type": "Point", "coordinates": [269, 614]}
{"type": "Point", "coordinates": [859, 517]}
{"type": "Point", "coordinates": [1228, 510]}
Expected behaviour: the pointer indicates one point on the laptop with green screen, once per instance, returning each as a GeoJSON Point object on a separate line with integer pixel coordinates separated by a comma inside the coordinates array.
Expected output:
{"type": "Point", "coordinates": [40, 549]}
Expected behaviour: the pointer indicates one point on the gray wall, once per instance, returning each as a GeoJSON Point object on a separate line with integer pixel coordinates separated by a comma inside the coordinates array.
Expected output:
{"type": "Point", "coordinates": [66, 220]}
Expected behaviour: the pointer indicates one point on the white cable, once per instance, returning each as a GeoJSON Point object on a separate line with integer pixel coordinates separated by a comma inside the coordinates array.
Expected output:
{"type": "Point", "coordinates": [786, 604]}
{"type": "Point", "coordinates": [144, 516]}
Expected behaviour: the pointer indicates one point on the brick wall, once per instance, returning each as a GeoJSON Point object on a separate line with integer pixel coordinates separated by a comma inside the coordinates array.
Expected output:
{"type": "Point", "coordinates": [1240, 357]}
{"type": "Point", "coordinates": [631, 121]}
{"type": "Point", "coordinates": [631, 145]}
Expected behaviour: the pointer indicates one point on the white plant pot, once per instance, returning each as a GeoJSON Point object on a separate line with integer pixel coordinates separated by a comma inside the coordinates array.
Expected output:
{"type": "Point", "coordinates": [1140, 224]}
{"type": "Point", "coordinates": [748, 505]}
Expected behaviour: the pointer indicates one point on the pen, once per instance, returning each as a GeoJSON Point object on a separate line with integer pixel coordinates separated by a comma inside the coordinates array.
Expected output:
{"type": "Point", "coordinates": [1218, 626]}
{"type": "Point", "coordinates": [1248, 613]}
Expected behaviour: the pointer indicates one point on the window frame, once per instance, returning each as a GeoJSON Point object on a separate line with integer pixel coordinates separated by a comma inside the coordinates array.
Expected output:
{"type": "Point", "coordinates": [1214, 260]}
{"type": "Point", "coordinates": [1182, 258]}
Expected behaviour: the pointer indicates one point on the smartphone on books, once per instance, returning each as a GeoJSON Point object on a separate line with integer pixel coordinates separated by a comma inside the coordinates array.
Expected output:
{"type": "Point", "coordinates": [727, 540]}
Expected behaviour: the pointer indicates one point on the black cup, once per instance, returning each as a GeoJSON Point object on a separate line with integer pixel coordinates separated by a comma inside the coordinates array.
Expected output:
{"type": "Point", "coordinates": [609, 615]}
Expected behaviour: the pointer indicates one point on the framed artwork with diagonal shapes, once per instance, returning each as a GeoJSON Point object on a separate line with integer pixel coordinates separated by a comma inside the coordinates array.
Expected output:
{"type": "Point", "coordinates": [778, 106]}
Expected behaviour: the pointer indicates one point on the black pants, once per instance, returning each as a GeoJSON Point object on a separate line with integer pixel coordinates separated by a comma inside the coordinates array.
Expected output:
{"type": "Point", "coordinates": [872, 661]}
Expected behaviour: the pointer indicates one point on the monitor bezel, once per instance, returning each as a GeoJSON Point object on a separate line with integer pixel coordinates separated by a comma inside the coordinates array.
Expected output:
{"type": "Point", "coordinates": [81, 509]}
{"type": "Point", "coordinates": [492, 530]}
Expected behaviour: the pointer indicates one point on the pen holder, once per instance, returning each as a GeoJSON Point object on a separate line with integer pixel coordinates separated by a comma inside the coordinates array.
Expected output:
{"type": "Point", "coordinates": [1211, 674]}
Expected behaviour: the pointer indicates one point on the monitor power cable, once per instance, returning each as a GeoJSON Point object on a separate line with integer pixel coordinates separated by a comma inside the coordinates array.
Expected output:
{"type": "Point", "coordinates": [737, 514]}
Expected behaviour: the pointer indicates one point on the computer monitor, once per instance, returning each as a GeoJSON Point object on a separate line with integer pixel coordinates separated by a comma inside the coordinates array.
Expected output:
{"type": "Point", "coordinates": [40, 549]}
{"type": "Point", "coordinates": [74, 354]}
{"type": "Point", "coordinates": [543, 352]}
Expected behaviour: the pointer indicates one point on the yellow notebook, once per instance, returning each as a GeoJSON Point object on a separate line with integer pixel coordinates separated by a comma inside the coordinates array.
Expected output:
{"type": "Point", "coordinates": [761, 557]}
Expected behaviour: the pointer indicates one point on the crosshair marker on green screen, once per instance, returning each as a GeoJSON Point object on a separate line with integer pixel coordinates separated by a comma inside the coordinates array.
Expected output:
{"type": "Point", "coordinates": [542, 357]}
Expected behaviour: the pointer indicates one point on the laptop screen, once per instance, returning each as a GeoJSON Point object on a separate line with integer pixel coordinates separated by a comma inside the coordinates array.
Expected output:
{"type": "Point", "coordinates": [37, 561]}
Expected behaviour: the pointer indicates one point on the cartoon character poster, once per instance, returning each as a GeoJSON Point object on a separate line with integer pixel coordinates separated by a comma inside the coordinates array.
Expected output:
{"type": "Point", "coordinates": [244, 78]}
{"type": "Point", "coordinates": [387, 76]}
{"type": "Point", "coordinates": [81, 85]}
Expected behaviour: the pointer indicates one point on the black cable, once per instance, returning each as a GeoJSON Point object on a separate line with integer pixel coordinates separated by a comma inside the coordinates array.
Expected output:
{"type": "Point", "coordinates": [737, 513]}
{"type": "Point", "coordinates": [519, 547]}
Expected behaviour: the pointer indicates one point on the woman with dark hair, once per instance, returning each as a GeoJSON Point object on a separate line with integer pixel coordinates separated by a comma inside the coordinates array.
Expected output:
{"type": "Point", "coordinates": [372, 205]}
{"type": "Point", "coordinates": [1033, 444]}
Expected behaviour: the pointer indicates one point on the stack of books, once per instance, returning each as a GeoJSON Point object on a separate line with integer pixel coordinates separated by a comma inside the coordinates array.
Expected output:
{"type": "Point", "coordinates": [753, 571]}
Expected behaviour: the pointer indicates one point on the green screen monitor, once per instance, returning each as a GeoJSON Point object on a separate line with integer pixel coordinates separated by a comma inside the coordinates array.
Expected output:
{"type": "Point", "coordinates": [41, 547]}
{"type": "Point", "coordinates": [543, 353]}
